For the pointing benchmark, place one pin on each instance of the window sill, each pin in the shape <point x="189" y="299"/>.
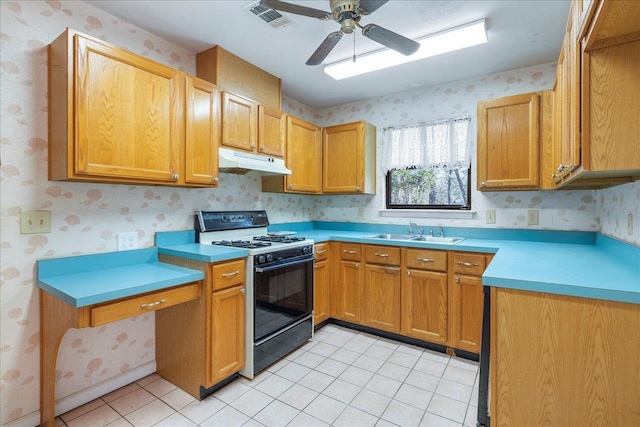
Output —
<point x="425" y="213"/>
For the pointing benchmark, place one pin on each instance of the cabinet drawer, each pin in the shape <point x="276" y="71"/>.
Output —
<point x="425" y="259"/>
<point x="135" y="306"/>
<point x="321" y="251"/>
<point x="468" y="263"/>
<point x="228" y="274"/>
<point x="386" y="255"/>
<point x="350" y="251"/>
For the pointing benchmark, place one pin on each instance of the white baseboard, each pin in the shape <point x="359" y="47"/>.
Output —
<point x="88" y="394"/>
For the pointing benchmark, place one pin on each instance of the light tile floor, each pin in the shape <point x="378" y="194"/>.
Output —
<point x="340" y="378"/>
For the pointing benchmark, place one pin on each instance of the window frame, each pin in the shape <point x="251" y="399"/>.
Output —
<point x="389" y="205"/>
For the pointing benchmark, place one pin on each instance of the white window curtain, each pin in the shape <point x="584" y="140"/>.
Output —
<point x="441" y="144"/>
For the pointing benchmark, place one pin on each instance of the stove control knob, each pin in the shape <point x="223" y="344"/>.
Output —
<point x="261" y="259"/>
<point x="269" y="257"/>
<point x="223" y="218"/>
<point x="306" y="250"/>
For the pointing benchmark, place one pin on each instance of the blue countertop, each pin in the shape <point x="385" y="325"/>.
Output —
<point x="581" y="264"/>
<point x="180" y="243"/>
<point x="92" y="279"/>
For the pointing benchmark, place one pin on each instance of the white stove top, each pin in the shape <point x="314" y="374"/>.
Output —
<point x="255" y="240"/>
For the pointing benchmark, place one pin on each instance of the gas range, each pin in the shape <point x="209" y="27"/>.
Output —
<point x="243" y="229"/>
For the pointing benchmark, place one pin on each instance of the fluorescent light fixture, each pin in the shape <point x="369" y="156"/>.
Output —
<point x="456" y="38"/>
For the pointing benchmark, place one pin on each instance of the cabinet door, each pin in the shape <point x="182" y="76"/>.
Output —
<point x="342" y="151"/>
<point x="129" y="115"/>
<point x="304" y="156"/>
<point x="381" y="297"/>
<point x="466" y="300"/>
<point x="239" y="122"/>
<point x="272" y="127"/>
<point x="227" y="329"/>
<point x="424" y="305"/>
<point x="202" y="132"/>
<point x="346" y="291"/>
<point x="509" y="143"/>
<point x="321" y="291"/>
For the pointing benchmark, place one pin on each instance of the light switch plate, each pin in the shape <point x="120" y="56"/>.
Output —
<point x="532" y="217"/>
<point x="35" y="222"/>
<point x="491" y="216"/>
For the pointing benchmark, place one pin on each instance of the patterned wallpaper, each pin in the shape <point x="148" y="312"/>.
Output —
<point x="87" y="217"/>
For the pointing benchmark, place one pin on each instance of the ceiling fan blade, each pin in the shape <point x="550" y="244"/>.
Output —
<point x="296" y="9"/>
<point x="367" y="7"/>
<point x="325" y="47"/>
<point x="390" y="39"/>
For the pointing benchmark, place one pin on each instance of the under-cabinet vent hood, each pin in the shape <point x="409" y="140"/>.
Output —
<point x="241" y="163"/>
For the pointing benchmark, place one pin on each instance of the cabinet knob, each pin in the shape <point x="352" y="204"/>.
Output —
<point x="243" y="290"/>
<point x="553" y="175"/>
<point x="262" y="148"/>
<point x="457" y="280"/>
<point x="175" y="177"/>
<point x="315" y="267"/>
<point x="216" y="179"/>
<point x="408" y="273"/>
<point x="482" y="184"/>
<point x="560" y="168"/>
<point x="290" y="187"/>
<point x="253" y="146"/>
<point x="358" y="189"/>
<point x="356" y="266"/>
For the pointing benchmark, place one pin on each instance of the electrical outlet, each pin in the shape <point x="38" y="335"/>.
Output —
<point x="532" y="217"/>
<point x="630" y="224"/>
<point x="127" y="241"/>
<point x="35" y="222"/>
<point x="491" y="216"/>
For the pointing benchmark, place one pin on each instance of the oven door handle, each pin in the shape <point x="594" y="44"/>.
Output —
<point x="284" y="264"/>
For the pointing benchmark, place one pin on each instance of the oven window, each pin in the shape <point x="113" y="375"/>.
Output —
<point x="283" y="295"/>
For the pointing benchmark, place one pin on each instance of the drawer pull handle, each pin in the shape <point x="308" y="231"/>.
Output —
<point x="235" y="273"/>
<point x="321" y="252"/>
<point x="408" y="272"/>
<point x="426" y="259"/>
<point x="392" y="270"/>
<point x="153" y="304"/>
<point x="457" y="280"/>
<point x="468" y="264"/>
<point x="381" y="255"/>
<point x="349" y="252"/>
<point x="356" y="266"/>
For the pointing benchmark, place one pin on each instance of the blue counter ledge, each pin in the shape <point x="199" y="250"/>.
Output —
<point x="92" y="279"/>
<point x="181" y="244"/>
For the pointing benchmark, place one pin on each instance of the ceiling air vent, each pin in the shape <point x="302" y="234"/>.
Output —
<point x="270" y="16"/>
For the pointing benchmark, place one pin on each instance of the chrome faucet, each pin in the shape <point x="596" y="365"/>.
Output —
<point x="413" y="224"/>
<point x="441" y="228"/>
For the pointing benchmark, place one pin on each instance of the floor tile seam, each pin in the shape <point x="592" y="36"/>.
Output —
<point x="127" y="420"/>
<point x="99" y="398"/>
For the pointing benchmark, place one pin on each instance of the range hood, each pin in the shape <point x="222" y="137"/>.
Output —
<point x="237" y="162"/>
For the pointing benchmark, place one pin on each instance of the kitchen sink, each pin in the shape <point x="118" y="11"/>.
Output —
<point x="414" y="238"/>
<point x="434" y="239"/>
<point x="391" y="236"/>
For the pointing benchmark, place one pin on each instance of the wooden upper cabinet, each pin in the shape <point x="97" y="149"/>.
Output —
<point x="113" y="115"/>
<point x="349" y="158"/>
<point x="304" y="158"/>
<point x="272" y="130"/>
<point x="202" y="124"/>
<point x="239" y="122"/>
<point x="509" y="143"/>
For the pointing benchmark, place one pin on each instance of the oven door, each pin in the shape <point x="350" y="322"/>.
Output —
<point x="283" y="295"/>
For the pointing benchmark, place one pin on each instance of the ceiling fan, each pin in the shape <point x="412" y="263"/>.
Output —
<point x="348" y="14"/>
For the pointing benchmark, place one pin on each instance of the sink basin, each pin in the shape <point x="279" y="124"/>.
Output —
<point x="414" y="238"/>
<point x="434" y="239"/>
<point x="391" y="236"/>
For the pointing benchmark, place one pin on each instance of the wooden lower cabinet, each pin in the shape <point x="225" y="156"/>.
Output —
<point x="465" y="308"/>
<point x="424" y="305"/>
<point x="201" y="342"/>
<point x="558" y="360"/>
<point x="346" y="281"/>
<point x="381" y="297"/>
<point x="321" y="284"/>
<point x="227" y="342"/>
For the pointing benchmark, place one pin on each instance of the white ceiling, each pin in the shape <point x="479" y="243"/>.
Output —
<point x="521" y="33"/>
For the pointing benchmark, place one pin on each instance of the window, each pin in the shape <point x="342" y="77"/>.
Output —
<point x="428" y="165"/>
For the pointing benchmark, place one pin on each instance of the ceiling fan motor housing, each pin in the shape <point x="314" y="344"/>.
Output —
<point x="345" y="12"/>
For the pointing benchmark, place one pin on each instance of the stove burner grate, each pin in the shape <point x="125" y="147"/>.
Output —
<point x="278" y="239"/>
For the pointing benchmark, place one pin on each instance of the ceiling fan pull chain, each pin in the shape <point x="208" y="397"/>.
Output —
<point x="354" y="46"/>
